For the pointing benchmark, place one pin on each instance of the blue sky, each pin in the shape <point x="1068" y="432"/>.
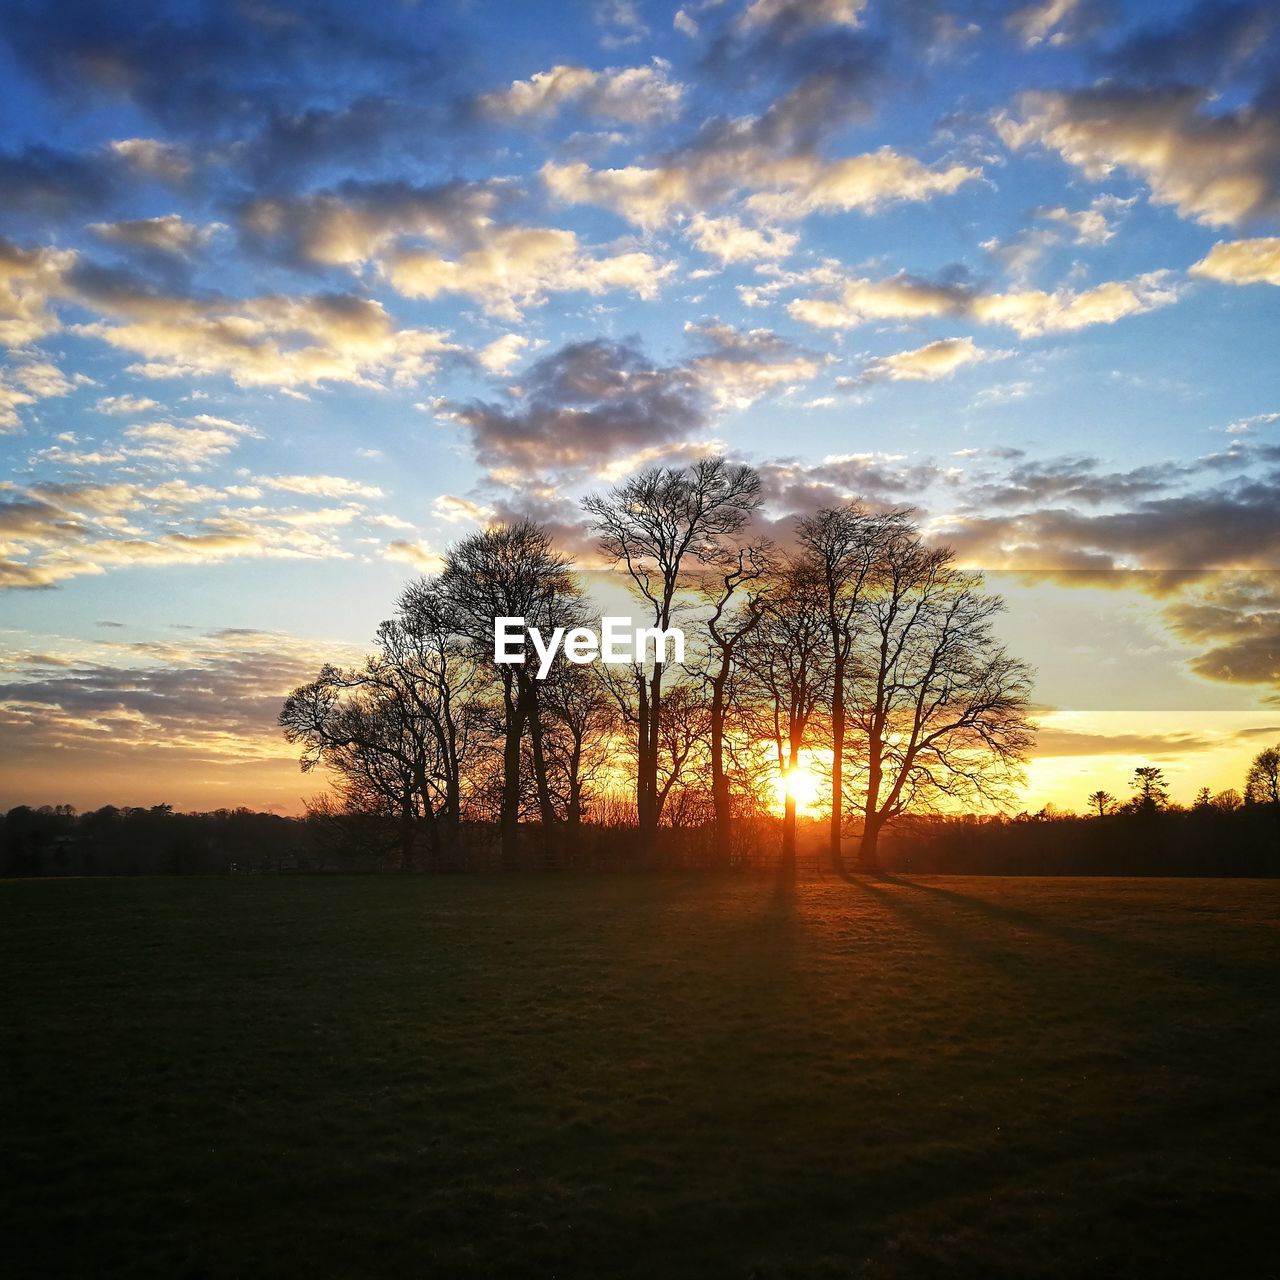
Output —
<point x="294" y="295"/>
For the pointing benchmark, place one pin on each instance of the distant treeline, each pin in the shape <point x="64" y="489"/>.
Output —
<point x="1204" y="841"/>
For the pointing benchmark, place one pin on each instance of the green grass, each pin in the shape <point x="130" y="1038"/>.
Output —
<point x="639" y="1077"/>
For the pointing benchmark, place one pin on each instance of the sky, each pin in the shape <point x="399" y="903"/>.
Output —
<point x="293" y="296"/>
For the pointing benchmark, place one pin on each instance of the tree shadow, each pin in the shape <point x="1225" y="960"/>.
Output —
<point x="1224" y="972"/>
<point x="944" y="928"/>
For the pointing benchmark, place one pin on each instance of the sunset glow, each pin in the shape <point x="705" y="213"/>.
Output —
<point x="279" y="335"/>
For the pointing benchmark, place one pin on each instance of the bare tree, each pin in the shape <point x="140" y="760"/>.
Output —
<point x="790" y="674"/>
<point x="512" y="570"/>
<point x="384" y="757"/>
<point x="659" y="525"/>
<point x="579" y="722"/>
<point x="843" y="547"/>
<point x="734" y="593"/>
<point x="939" y="704"/>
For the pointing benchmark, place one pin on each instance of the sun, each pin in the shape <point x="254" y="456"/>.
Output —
<point x="802" y="784"/>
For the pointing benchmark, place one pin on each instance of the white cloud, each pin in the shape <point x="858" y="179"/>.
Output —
<point x="785" y="187"/>
<point x="634" y="95"/>
<point x="933" y="361"/>
<point x="26" y="384"/>
<point x="1242" y="262"/>
<point x="499" y="355"/>
<point x="730" y="240"/>
<point x="519" y="266"/>
<point x="1043" y="20"/>
<point x="320" y="486"/>
<point x="1220" y="169"/>
<point x="126" y="404"/>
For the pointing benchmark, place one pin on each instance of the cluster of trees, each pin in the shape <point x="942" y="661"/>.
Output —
<point x="856" y="651"/>
<point x="55" y="840"/>
<point x="1151" y="791"/>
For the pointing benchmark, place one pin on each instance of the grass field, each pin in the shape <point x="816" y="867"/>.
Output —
<point x="639" y="1077"/>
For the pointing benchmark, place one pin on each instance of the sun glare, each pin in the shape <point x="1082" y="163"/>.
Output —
<point x="801" y="783"/>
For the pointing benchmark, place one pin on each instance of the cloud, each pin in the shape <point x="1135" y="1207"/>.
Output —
<point x="25" y="384"/>
<point x="633" y="95"/>
<point x="729" y="240"/>
<point x="170" y="234"/>
<point x="53" y="533"/>
<point x="51" y="184"/>
<point x="29" y="280"/>
<point x="1021" y="253"/>
<point x="1232" y="527"/>
<point x="736" y="367"/>
<point x="499" y="355"/>
<point x="590" y="405"/>
<point x="126" y="405"/>
<point x="1219" y="168"/>
<point x="933" y="361"/>
<point x="795" y="486"/>
<point x="900" y="297"/>
<point x="581" y="405"/>
<point x="417" y="554"/>
<point x="208" y="68"/>
<point x="505" y="268"/>
<point x="165" y="161"/>
<point x="201" y="700"/>
<point x="192" y="446"/>
<point x="621" y="22"/>
<point x="271" y="340"/>
<point x="320" y="486"/>
<point x="517" y="267"/>
<point x="1055" y="742"/>
<point x="800" y="14"/>
<point x="356" y="221"/>
<point x="1236" y="618"/>
<point x="454" y="510"/>
<point x="1030" y="313"/>
<point x="1053" y="22"/>
<point x="868" y="183"/>
<point x="1204" y="44"/>
<point x="785" y="187"/>
<point x="1242" y="262"/>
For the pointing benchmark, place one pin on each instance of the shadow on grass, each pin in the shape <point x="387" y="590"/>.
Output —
<point x="1151" y="955"/>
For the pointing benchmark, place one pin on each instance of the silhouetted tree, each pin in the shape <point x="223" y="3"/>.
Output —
<point x="790" y="677"/>
<point x="735" y="596"/>
<point x="1102" y="802"/>
<point x="843" y="548"/>
<point x="1150" y="792"/>
<point x="940" y="704"/>
<point x="1262" y="782"/>
<point x="658" y="526"/>
<point x="513" y="571"/>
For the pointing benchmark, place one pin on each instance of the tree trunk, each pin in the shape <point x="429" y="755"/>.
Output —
<point x="721" y="803"/>
<point x="546" y="809"/>
<point x="836" y="827"/>
<point x="647" y="770"/>
<point x="869" y="849"/>
<point x="787" y="863"/>
<point x="509" y="855"/>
